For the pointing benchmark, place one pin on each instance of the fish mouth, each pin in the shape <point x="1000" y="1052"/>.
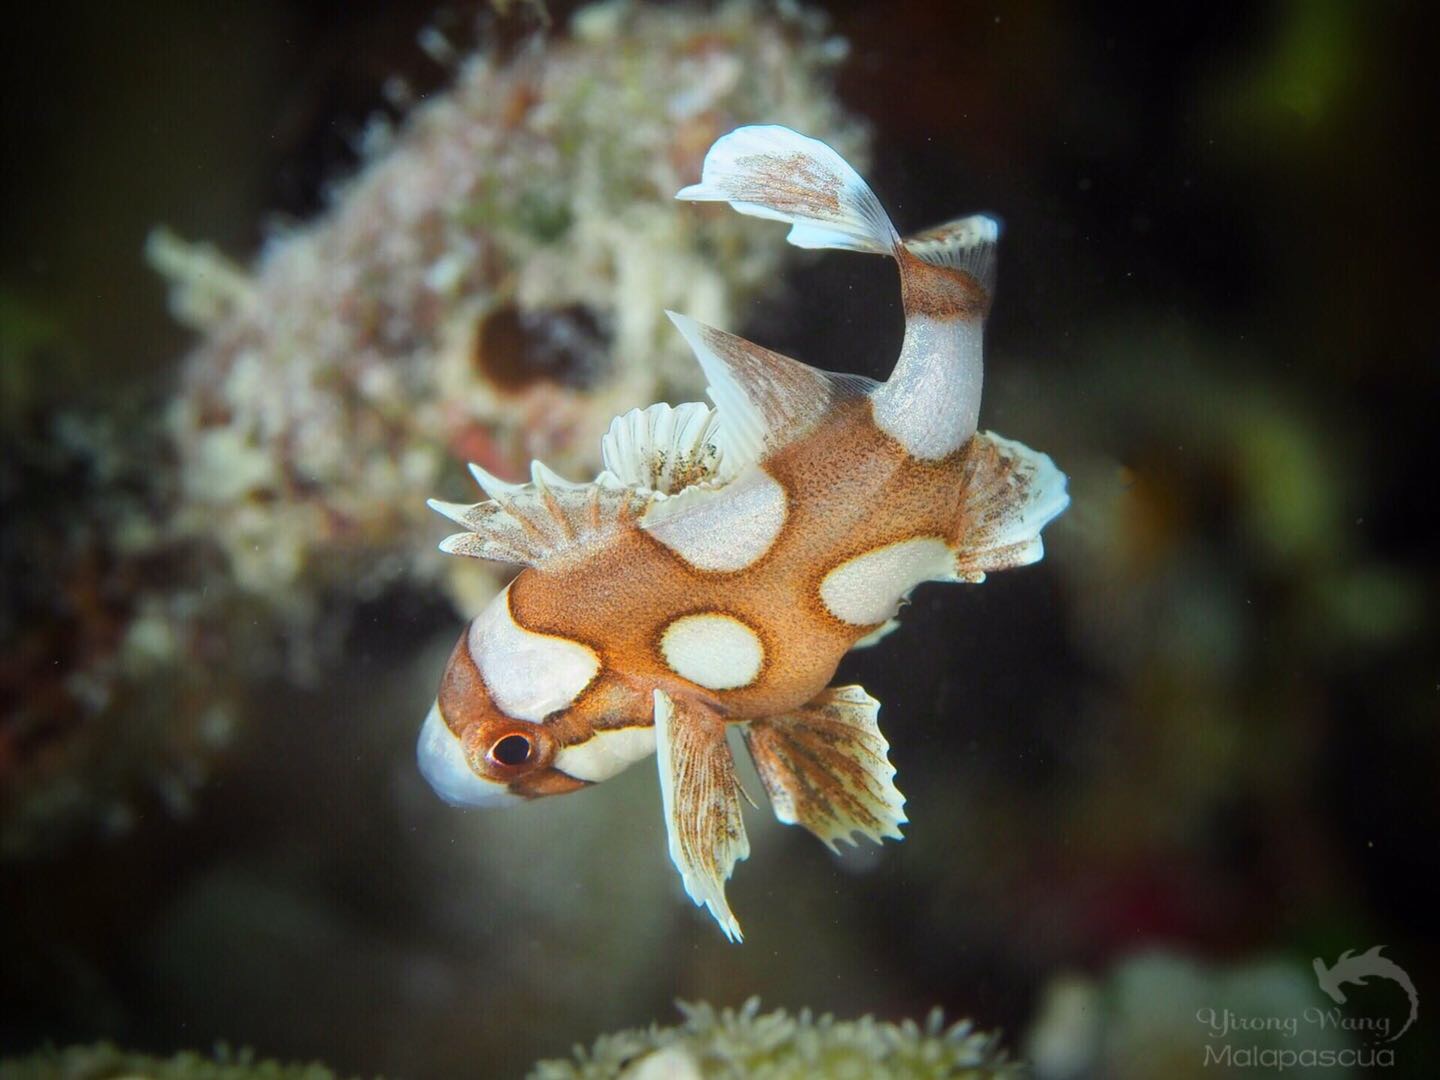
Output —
<point x="446" y="768"/>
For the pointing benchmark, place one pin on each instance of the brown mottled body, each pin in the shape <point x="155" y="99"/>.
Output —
<point x="849" y="489"/>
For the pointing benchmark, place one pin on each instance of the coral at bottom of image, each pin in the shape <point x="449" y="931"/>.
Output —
<point x="709" y="1043"/>
<point x="105" y="1062"/>
<point x="777" y="1046"/>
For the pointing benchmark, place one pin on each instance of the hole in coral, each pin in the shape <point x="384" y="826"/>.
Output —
<point x="515" y="349"/>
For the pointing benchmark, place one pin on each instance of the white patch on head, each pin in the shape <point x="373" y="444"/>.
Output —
<point x="529" y="675"/>
<point x="443" y="763"/>
<point x="725" y="529"/>
<point x="931" y="405"/>
<point x="719" y="652"/>
<point x="607" y="752"/>
<point x="868" y="588"/>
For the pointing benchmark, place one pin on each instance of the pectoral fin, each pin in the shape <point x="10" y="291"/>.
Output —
<point x="825" y="767"/>
<point x="701" y="800"/>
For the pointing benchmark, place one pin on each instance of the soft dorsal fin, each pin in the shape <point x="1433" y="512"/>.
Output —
<point x="763" y="398"/>
<point x="663" y="449"/>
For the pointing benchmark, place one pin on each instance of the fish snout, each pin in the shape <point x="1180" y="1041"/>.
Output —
<point x="446" y="763"/>
<point x="493" y="761"/>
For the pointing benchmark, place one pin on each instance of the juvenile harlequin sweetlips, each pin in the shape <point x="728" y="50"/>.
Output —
<point x="724" y="560"/>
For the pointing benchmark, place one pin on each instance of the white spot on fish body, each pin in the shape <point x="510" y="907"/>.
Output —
<point x="724" y="529"/>
<point x="607" y="752"/>
<point x="718" y="652"/>
<point x="868" y="588"/>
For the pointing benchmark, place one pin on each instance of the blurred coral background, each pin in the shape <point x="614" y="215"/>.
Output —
<point x="1161" y="771"/>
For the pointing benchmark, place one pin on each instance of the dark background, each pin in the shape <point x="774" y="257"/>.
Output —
<point x="1206" y="722"/>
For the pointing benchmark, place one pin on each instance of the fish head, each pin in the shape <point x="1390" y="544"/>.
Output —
<point x="492" y="761"/>
<point x="475" y="752"/>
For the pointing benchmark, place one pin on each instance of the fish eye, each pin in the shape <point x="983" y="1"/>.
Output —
<point x="512" y="750"/>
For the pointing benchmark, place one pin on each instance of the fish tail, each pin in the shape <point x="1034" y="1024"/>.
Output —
<point x="769" y="171"/>
<point x="931" y="404"/>
<point x="949" y="271"/>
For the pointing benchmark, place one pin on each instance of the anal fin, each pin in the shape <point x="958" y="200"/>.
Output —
<point x="701" y="800"/>
<point x="825" y="767"/>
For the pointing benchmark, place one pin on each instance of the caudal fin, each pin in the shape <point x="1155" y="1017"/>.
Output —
<point x="931" y="403"/>
<point x="966" y="245"/>
<point x="769" y="171"/>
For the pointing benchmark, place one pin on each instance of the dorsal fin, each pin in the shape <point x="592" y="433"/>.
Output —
<point x="529" y="523"/>
<point x="763" y="398"/>
<point x="663" y="449"/>
<point x="650" y="456"/>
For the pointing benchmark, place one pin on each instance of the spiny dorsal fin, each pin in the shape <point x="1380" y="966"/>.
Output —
<point x="1011" y="493"/>
<point x="662" y="449"/>
<point x="769" y="171"/>
<point x="967" y="245"/>
<point x="529" y="523"/>
<point x="764" y="399"/>
<point x="651" y="456"/>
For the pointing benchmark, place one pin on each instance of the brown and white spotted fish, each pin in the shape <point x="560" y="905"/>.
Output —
<point x="725" y="560"/>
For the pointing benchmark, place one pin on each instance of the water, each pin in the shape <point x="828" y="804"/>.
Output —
<point x="1159" y="773"/>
